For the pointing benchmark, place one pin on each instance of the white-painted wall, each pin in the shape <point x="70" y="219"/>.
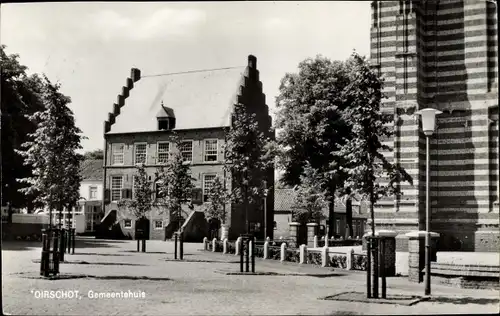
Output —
<point x="85" y="189"/>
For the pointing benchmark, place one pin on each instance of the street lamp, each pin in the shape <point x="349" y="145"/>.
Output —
<point x="428" y="126"/>
<point x="265" y="209"/>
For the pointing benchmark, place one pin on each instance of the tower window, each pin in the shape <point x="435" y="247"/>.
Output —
<point x="163" y="124"/>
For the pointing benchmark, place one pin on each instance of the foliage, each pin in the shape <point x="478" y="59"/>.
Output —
<point x="142" y="200"/>
<point x="94" y="154"/>
<point x="217" y="199"/>
<point x="360" y="262"/>
<point x="365" y="163"/>
<point x="248" y="157"/>
<point x="337" y="261"/>
<point x="22" y="96"/>
<point x="314" y="258"/>
<point x="175" y="184"/>
<point x="310" y="198"/>
<point x="51" y="152"/>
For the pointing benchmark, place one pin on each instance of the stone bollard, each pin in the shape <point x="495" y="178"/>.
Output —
<point x="303" y="254"/>
<point x="237" y="246"/>
<point x="224" y="246"/>
<point x="324" y="256"/>
<point x="266" y="249"/>
<point x="283" y="252"/>
<point x="315" y="242"/>
<point x="205" y="243"/>
<point x="250" y="248"/>
<point x="214" y="244"/>
<point x="350" y="259"/>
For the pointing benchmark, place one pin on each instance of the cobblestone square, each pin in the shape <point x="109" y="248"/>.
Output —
<point x="155" y="284"/>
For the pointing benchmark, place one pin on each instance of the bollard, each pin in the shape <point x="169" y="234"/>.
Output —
<point x="324" y="256"/>
<point x="175" y="246"/>
<point x="266" y="250"/>
<point x="237" y="247"/>
<point x="242" y="257"/>
<point x="350" y="259"/>
<point x="382" y="264"/>
<point x="252" y="254"/>
<point x="283" y="252"/>
<point x="247" y="254"/>
<point x="315" y="241"/>
<point x="303" y="254"/>
<point x="214" y="244"/>
<point x="224" y="246"/>
<point x="205" y="243"/>
<point x="181" y="245"/>
<point x="368" y="268"/>
<point x="73" y="237"/>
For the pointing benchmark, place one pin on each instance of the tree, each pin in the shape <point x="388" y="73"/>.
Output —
<point x="51" y="152"/>
<point x="249" y="157"/>
<point x="175" y="184"/>
<point x="217" y="199"/>
<point x="369" y="127"/>
<point x="142" y="200"/>
<point x="21" y="97"/>
<point x="95" y="154"/>
<point x="310" y="105"/>
<point x="310" y="200"/>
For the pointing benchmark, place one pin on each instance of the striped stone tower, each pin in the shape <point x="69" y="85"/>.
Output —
<point x="442" y="54"/>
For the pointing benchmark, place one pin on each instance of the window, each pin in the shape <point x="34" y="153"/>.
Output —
<point x="158" y="193"/>
<point x="163" y="124"/>
<point x="93" y="193"/>
<point x="186" y="149"/>
<point x="275" y="226"/>
<point x="210" y="150"/>
<point x="208" y="181"/>
<point x="158" y="225"/>
<point x="337" y="226"/>
<point x="163" y="152"/>
<point x="117" y="150"/>
<point x="116" y="188"/>
<point x="140" y="153"/>
<point x="127" y="223"/>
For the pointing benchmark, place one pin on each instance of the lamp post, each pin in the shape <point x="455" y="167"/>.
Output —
<point x="265" y="209"/>
<point x="428" y="126"/>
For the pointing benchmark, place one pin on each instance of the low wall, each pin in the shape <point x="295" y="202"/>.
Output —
<point x="466" y="275"/>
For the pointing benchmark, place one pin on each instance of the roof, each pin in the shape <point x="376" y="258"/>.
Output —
<point x="92" y="169"/>
<point x="284" y="199"/>
<point x="197" y="100"/>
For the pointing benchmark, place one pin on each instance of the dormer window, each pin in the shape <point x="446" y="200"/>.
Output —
<point x="166" y="119"/>
<point x="163" y="124"/>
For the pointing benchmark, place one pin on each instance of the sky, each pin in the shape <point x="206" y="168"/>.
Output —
<point x="89" y="48"/>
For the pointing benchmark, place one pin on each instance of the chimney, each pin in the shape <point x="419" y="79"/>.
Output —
<point x="135" y="74"/>
<point x="252" y="61"/>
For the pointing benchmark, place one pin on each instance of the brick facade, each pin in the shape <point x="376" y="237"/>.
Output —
<point x="212" y="127"/>
<point x="442" y="55"/>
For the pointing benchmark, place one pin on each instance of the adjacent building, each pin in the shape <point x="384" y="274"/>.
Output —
<point x="196" y="108"/>
<point x="442" y="55"/>
<point x="283" y="209"/>
<point x="91" y="187"/>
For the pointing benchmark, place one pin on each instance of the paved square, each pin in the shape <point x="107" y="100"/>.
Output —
<point x="112" y="279"/>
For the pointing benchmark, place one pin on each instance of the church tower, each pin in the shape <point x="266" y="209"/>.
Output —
<point x="442" y="55"/>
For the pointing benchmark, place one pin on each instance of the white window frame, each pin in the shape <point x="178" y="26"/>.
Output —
<point x="192" y="148"/>
<point x="145" y="153"/>
<point x="92" y="188"/>
<point x="203" y="194"/>
<point x="125" y="223"/>
<point x="205" y="155"/>
<point x="156" y="221"/>
<point x="158" y="151"/>
<point x="337" y="226"/>
<point x="111" y="190"/>
<point x="114" y="154"/>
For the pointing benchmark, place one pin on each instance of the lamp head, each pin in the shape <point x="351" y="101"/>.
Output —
<point x="428" y="120"/>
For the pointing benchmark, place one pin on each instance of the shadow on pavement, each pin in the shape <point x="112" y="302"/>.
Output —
<point x="96" y="277"/>
<point x="464" y="300"/>
<point x="98" y="254"/>
<point x="17" y="245"/>
<point x="200" y="261"/>
<point x="97" y="263"/>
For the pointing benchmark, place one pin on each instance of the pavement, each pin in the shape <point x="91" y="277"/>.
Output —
<point x="205" y="283"/>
